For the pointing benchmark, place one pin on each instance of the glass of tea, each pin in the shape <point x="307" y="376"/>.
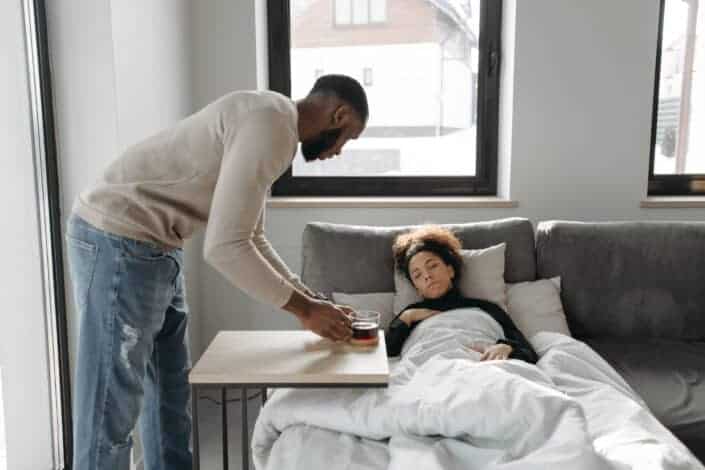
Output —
<point x="365" y="328"/>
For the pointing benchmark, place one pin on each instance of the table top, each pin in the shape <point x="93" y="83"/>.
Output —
<point x="289" y="358"/>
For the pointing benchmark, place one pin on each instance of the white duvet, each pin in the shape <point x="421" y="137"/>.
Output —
<point x="444" y="409"/>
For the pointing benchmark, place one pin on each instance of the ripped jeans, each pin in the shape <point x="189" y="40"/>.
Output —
<point x="133" y="358"/>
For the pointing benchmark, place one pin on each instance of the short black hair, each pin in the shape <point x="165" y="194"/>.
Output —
<point x="347" y="89"/>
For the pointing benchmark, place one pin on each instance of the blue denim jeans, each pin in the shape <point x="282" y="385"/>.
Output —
<point x="133" y="358"/>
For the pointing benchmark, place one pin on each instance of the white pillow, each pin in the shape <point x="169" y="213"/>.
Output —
<point x="378" y="301"/>
<point x="536" y="306"/>
<point x="483" y="274"/>
<point x="482" y="278"/>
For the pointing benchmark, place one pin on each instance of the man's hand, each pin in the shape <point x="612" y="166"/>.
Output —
<point x="326" y="320"/>
<point x="347" y="309"/>
<point x="316" y="295"/>
<point x="413" y="315"/>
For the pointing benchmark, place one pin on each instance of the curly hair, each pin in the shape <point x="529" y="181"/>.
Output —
<point x="434" y="238"/>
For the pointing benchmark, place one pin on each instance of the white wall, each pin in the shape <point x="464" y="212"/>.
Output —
<point x="582" y="119"/>
<point x="152" y="54"/>
<point x="575" y="135"/>
<point x="23" y="351"/>
<point x="223" y="48"/>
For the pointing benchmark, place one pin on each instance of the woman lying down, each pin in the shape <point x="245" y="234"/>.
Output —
<point x="430" y="258"/>
<point x="469" y="391"/>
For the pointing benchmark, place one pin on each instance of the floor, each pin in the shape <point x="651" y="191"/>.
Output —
<point x="210" y="429"/>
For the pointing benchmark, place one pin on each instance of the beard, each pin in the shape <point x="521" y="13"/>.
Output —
<point x="311" y="149"/>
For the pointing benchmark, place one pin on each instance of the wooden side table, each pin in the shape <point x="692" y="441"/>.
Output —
<point x="279" y="359"/>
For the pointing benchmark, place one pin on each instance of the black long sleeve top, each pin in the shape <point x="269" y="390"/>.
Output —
<point x="398" y="331"/>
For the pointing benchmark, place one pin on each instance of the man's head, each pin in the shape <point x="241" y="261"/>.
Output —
<point x="334" y="112"/>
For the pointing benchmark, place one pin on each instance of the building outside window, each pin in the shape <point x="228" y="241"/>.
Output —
<point x="367" y="74"/>
<point x="431" y="105"/>
<point x="359" y="12"/>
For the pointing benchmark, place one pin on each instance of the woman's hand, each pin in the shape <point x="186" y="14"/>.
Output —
<point x="413" y="315"/>
<point x="496" y="352"/>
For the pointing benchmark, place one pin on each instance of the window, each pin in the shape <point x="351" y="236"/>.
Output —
<point x="343" y="12"/>
<point x="359" y="12"/>
<point x="431" y="73"/>
<point x="678" y="131"/>
<point x="367" y="76"/>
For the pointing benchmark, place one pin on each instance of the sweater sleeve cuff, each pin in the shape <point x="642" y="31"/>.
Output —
<point x="283" y="295"/>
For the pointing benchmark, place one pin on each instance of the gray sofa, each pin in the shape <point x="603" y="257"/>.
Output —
<point x="634" y="291"/>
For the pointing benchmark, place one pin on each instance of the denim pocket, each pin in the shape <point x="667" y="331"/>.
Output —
<point x="142" y="250"/>
<point x="156" y="266"/>
<point x="82" y="261"/>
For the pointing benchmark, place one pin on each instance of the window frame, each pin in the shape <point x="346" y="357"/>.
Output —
<point x="48" y="191"/>
<point x="484" y="183"/>
<point x="667" y="185"/>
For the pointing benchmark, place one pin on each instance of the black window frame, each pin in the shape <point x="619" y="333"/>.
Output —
<point x="668" y="185"/>
<point x="484" y="183"/>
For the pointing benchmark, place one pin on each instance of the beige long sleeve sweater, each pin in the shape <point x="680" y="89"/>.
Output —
<point x="213" y="169"/>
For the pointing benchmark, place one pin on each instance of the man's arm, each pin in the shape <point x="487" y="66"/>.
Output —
<point x="266" y="249"/>
<point x="253" y="158"/>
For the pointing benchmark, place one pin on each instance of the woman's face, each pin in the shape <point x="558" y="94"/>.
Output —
<point x="431" y="276"/>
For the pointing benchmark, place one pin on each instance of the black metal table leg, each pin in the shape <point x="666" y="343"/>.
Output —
<point x="224" y="399"/>
<point x="194" y="420"/>
<point x="245" y="438"/>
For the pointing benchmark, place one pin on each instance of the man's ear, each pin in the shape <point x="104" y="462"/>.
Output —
<point x="340" y="115"/>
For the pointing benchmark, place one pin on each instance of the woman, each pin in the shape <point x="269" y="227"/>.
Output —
<point x="430" y="258"/>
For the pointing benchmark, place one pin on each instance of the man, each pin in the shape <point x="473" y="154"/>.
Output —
<point x="213" y="169"/>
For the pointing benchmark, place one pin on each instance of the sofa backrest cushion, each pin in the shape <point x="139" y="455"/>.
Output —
<point x="627" y="279"/>
<point x="356" y="259"/>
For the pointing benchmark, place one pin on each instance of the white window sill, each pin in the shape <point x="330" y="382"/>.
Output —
<point x="673" y="202"/>
<point x="487" y="202"/>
